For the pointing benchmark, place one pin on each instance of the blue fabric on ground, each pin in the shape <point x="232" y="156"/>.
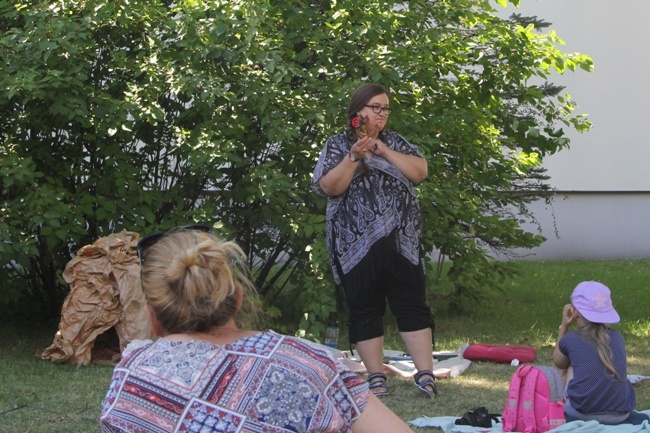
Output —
<point x="446" y="423"/>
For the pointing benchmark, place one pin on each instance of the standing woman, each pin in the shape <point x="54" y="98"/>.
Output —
<point x="374" y="227"/>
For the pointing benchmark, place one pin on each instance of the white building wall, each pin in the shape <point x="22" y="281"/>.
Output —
<point x="603" y="208"/>
<point x="592" y="226"/>
<point x="614" y="155"/>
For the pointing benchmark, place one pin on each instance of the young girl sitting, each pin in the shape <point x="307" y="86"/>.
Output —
<point x="595" y="361"/>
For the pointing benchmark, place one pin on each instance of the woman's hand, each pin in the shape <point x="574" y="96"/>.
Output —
<point x="362" y="147"/>
<point x="378" y="147"/>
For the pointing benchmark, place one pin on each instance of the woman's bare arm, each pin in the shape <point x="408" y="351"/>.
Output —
<point x="413" y="167"/>
<point x="338" y="179"/>
<point x="377" y="418"/>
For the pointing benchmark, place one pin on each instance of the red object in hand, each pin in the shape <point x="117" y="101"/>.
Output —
<point x="362" y="129"/>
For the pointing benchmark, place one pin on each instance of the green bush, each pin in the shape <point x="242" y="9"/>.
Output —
<point x="143" y="115"/>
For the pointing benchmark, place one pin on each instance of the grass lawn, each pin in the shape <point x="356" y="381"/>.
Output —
<point x="39" y="396"/>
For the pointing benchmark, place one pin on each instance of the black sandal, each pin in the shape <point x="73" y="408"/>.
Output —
<point x="377" y="384"/>
<point x="425" y="382"/>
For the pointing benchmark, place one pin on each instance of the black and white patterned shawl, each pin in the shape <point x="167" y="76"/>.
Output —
<point x="380" y="202"/>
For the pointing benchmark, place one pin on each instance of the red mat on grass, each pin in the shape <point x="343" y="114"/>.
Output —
<point x="499" y="353"/>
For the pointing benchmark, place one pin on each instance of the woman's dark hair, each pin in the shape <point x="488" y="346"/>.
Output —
<point x="361" y="96"/>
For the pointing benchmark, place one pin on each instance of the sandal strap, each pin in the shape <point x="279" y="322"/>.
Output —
<point x="377" y="384"/>
<point x="425" y="382"/>
<point x="420" y="374"/>
<point x="375" y="376"/>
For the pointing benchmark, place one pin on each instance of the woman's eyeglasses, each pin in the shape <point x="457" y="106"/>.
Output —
<point x="150" y="240"/>
<point x="377" y="109"/>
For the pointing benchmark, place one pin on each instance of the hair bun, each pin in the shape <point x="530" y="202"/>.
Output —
<point x="191" y="278"/>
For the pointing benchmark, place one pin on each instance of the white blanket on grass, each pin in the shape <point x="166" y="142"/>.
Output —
<point x="400" y="364"/>
<point x="446" y="424"/>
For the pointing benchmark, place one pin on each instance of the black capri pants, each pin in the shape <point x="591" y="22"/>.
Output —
<point x="385" y="275"/>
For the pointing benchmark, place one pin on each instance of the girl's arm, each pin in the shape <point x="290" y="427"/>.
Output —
<point x="560" y="360"/>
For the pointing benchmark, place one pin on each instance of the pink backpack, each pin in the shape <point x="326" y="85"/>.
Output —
<point x="535" y="402"/>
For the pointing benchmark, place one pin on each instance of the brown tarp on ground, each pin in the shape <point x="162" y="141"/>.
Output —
<point x="105" y="297"/>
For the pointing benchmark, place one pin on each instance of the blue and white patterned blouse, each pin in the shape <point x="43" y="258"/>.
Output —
<point x="266" y="382"/>
<point x="380" y="202"/>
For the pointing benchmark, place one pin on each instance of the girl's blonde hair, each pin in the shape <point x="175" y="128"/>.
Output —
<point x="598" y="334"/>
<point x="190" y="278"/>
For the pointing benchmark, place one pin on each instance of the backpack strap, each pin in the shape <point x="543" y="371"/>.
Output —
<point x="509" y="417"/>
<point x="528" y="398"/>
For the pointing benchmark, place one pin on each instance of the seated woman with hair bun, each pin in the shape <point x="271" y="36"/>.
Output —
<point x="209" y="372"/>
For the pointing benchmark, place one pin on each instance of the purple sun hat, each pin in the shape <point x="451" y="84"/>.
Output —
<point x="594" y="302"/>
